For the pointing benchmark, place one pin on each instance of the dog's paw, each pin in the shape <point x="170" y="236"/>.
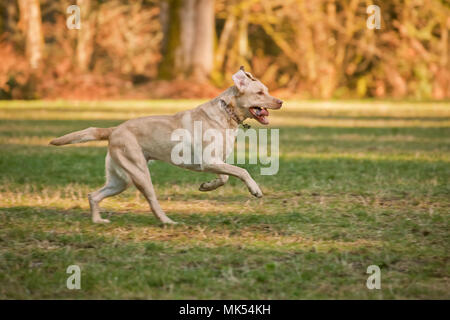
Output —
<point x="258" y="194"/>
<point x="204" y="187"/>
<point x="101" y="221"/>
<point x="256" y="191"/>
<point x="169" y="221"/>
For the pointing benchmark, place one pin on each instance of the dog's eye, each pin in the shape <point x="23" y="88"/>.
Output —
<point x="260" y="93"/>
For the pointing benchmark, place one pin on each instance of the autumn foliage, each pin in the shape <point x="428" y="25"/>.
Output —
<point x="190" y="48"/>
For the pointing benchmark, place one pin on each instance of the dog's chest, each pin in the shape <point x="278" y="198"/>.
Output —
<point x="230" y="138"/>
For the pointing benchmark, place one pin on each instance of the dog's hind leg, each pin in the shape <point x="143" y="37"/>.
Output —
<point x="214" y="184"/>
<point x="116" y="181"/>
<point x="129" y="156"/>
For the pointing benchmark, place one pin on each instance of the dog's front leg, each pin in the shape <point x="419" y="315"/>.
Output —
<point x="228" y="169"/>
<point x="214" y="184"/>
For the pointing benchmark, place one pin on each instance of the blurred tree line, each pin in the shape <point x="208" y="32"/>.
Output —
<point x="306" y="49"/>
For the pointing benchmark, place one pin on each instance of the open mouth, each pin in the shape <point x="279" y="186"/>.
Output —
<point x="260" y="114"/>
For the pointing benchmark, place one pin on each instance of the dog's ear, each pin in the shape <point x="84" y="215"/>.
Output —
<point x="241" y="80"/>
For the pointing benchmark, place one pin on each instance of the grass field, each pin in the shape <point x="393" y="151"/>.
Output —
<point x="359" y="184"/>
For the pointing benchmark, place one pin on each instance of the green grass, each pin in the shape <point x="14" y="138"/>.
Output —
<point x="359" y="184"/>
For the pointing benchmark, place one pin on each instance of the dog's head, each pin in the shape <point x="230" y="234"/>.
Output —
<point x="253" y="98"/>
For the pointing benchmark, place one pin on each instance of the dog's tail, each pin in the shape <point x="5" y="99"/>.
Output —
<point x="89" y="134"/>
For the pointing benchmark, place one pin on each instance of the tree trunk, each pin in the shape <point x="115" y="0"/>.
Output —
<point x="243" y="36"/>
<point x="10" y="24"/>
<point x="188" y="45"/>
<point x="224" y="39"/>
<point x="31" y="25"/>
<point x="203" y="51"/>
<point x="184" y="54"/>
<point x="85" y="40"/>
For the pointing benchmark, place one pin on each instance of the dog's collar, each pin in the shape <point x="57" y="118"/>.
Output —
<point x="229" y="109"/>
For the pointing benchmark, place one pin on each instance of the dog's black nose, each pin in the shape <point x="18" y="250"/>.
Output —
<point x="280" y="102"/>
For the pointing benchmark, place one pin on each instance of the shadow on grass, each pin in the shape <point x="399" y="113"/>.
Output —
<point x="39" y="128"/>
<point x="44" y="167"/>
<point x="59" y="127"/>
<point x="207" y="230"/>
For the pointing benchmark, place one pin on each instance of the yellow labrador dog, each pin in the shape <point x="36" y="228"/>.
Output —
<point x="133" y="143"/>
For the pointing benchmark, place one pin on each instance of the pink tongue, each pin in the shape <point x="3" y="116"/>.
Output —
<point x="264" y="112"/>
